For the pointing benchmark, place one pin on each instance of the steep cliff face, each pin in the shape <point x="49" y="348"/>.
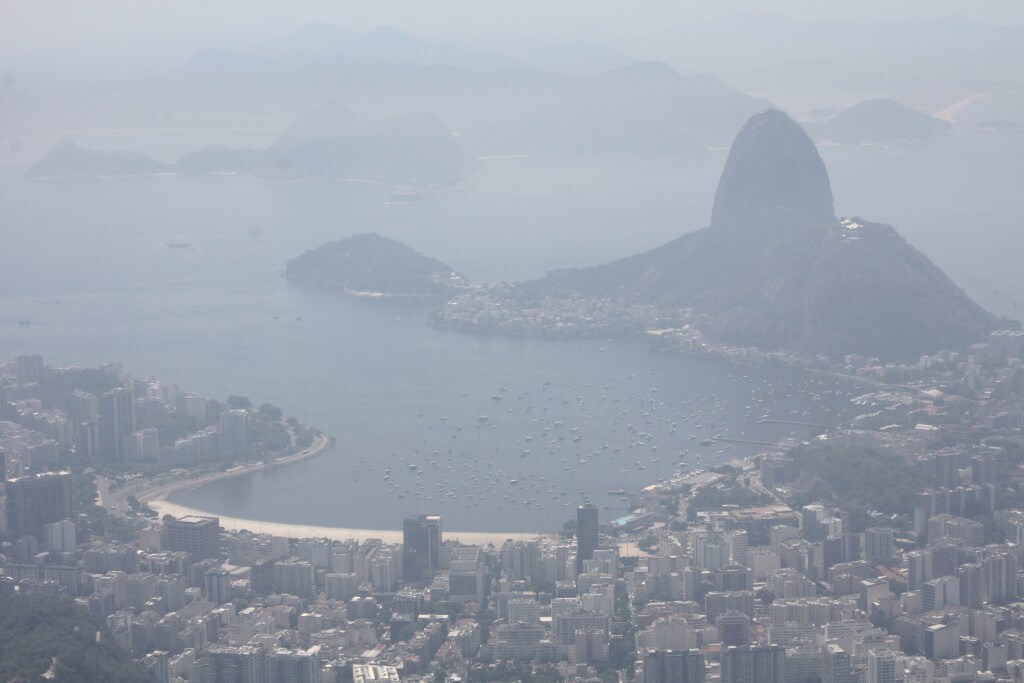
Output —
<point x="777" y="270"/>
<point x="773" y="175"/>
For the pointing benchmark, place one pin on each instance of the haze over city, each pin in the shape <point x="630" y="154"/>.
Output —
<point x="494" y="341"/>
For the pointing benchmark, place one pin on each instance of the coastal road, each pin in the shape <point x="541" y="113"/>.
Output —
<point x="116" y="499"/>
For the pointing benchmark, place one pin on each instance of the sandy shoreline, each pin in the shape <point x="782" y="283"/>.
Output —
<point x="156" y="498"/>
<point x="165" y="507"/>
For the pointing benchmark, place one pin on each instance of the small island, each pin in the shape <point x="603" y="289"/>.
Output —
<point x="69" y="160"/>
<point x="373" y="266"/>
<point x="881" y="121"/>
<point x="413" y="153"/>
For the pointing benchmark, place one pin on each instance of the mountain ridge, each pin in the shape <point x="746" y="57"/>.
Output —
<point x="777" y="270"/>
<point x="328" y="142"/>
<point x="878" y="121"/>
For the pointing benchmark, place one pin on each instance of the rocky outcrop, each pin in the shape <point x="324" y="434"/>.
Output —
<point x="776" y="270"/>
<point x="773" y="175"/>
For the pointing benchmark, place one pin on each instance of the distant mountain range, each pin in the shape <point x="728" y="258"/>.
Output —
<point x="777" y="270"/>
<point x="67" y="160"/>
<point x="329" y="142"/>
<point x="642" y="111"/>
<point x="388" y="44"/>
<point x="382" y="43"/>
<point x="371" y="265"/>
<point x="877" y="121"/>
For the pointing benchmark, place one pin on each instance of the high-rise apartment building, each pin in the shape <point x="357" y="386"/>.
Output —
<point x="36" y="500"/>
<point x="29" y="368"/>
<point x="586" y="534"/>
<point x="294" y="666"/>
<point x="733" y="628"/>
<point x="199" y="536"/>
<point x="236" y="664"/>
<point x="881" y="666"/>
<point x="117" y="420"/>
<point x="753" y="664"/>
<point x="662" y="666"/>
<point x="421" y="547"/>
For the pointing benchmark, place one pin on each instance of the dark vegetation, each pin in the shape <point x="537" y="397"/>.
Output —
<point x="856" y="480"/>
<point x="100" y="521"/>
<point x="38" y="631"/>
<point x="371" y="263"/>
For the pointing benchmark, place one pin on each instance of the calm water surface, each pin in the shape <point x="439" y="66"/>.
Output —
<point x="87" y="263"/>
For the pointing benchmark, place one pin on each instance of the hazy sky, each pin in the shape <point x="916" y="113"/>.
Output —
<point x="40" y="35"/>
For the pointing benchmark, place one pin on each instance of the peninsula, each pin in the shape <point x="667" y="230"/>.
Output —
<point x="776" y="271"/>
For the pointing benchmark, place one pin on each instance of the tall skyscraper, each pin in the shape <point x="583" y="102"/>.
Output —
<point x="193" y="534"/>
<point x="156" y="662"/>
<point x="236" y="664"/>
<point x="880" y="544"/>
<point x="998" y="574"/>
<point x="217" y="586"/>
<point x="971" y="589"/>
<point x="836" y="665"/>
<point x="29" y="368"/>
<point x="662" y="666"/>
<point x="294" y="666"/>
<point x="234" y="428"/>
<point x="294" y="576"/>
<point x="754" y="664"/>
<point x="85" y="423"/>
<point x="811" y="518"/>
<point x="421" y="546"/>
<point x="60" y="536"/>
<point x="586" y="534"/>
<point x="881" y="666"/>
<point x="35" y="501"/>
<point x="117" y="420"/>
<point x="733" y="628"/>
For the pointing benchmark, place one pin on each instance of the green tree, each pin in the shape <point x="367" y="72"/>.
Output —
<point x="271" y="411"/>
<point x="238" y="402"/>
<point x="38" y="632"/>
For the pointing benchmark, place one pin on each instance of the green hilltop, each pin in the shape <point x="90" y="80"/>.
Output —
<point x="41" y="633"/>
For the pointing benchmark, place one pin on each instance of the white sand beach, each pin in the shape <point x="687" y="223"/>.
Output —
<point x="156" y="498"/>
<point x="164" y="507"/>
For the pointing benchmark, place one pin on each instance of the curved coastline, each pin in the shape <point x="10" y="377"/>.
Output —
<point x="156" y="498"/>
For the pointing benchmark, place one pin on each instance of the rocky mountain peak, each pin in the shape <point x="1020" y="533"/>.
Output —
<point x="773" y="175"/>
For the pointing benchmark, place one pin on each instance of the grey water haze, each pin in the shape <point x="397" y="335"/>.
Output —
<point x="380" y="379"/>
<point x="503" y="341"/>
<point x="221" y="319"/>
